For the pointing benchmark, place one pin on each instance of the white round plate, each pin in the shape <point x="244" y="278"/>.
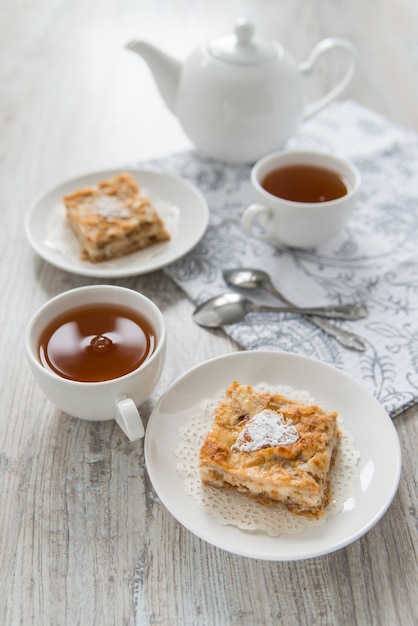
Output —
<point x="375" y="438"/>
<point x="179" y="203"/>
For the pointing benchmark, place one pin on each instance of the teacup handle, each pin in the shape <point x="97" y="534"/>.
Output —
<point x="324" y="46"/>
<point x="129" y="419"/>
<point x="251" y="216"/>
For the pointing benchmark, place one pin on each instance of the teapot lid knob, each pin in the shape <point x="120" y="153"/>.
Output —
<point x="242" y="47"/>
<point x="244" y="32"/>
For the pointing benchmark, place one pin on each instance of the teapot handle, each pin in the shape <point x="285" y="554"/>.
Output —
<point x="320" y="49"/>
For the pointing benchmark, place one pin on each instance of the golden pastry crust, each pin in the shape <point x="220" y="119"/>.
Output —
<point x="271" y="449"/>
<point x="112" y="219"/>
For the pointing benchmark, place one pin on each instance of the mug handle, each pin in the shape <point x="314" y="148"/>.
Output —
<point x="250" y="217"/>
<point x="129" y="419"/>
<point x="324" y="46"/>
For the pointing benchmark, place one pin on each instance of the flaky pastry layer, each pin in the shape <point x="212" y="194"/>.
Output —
<point x="295" y="474"/>
<point x="112" y="219"/>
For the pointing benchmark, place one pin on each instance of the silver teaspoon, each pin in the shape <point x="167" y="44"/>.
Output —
<point x="230" y="308"/>
<point x="248" y="278"/>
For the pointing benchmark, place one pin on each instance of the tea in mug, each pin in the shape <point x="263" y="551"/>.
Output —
<point x="305" y="183"/>
<point x="97" y="342"/>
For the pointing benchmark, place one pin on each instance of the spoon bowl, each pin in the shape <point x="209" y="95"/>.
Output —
<point x="248" y="278"/>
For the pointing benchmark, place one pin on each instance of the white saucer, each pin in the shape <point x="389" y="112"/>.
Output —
<point x="179" y="203"/>
<point x="364" y="417"/>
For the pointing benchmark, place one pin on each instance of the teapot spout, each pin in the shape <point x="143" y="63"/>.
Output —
<point x="165" y="69"/>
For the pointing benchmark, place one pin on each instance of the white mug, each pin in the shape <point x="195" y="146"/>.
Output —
<point x="299" y="224"/>
<point x="117" y="398"/>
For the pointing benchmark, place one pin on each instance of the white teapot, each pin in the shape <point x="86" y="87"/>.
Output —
<point x="238" y="97"/>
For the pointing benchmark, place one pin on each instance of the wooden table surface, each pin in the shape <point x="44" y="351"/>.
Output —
<point x="83" y="537"/>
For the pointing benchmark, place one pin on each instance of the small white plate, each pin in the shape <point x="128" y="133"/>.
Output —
<point x="179" y="203"/>
<point x="364" y="417"/>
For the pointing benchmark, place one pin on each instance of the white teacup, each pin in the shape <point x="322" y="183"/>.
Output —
<point x="116" y="398"/>
<point x="299" y="224"/>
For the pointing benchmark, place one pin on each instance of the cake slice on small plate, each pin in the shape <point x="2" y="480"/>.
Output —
<point x="112" y="219"/>
<point x="272" y="449"/>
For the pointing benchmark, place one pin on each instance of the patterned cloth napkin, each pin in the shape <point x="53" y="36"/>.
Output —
<point x="373" y="261"/>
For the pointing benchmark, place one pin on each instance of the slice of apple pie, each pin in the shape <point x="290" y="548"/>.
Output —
<point x="113" y="218"/>
<point x="271" y="449"/>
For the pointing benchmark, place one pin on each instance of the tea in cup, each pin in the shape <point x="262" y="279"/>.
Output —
<point x="303" y="198"/>
<point x="98" y="352"/>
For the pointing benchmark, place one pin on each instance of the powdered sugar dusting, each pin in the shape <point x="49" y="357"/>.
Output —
<point x="110" y="207"/>
<point x="264" y="430"/>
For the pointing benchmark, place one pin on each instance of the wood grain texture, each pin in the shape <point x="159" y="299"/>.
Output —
<point x="84" y="540"/>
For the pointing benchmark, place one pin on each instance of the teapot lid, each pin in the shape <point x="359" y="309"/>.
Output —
<point x="241" y="47"/>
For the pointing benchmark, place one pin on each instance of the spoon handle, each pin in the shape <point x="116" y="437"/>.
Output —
<point x="343" y="312"/>
<point x="344" y="337"/>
